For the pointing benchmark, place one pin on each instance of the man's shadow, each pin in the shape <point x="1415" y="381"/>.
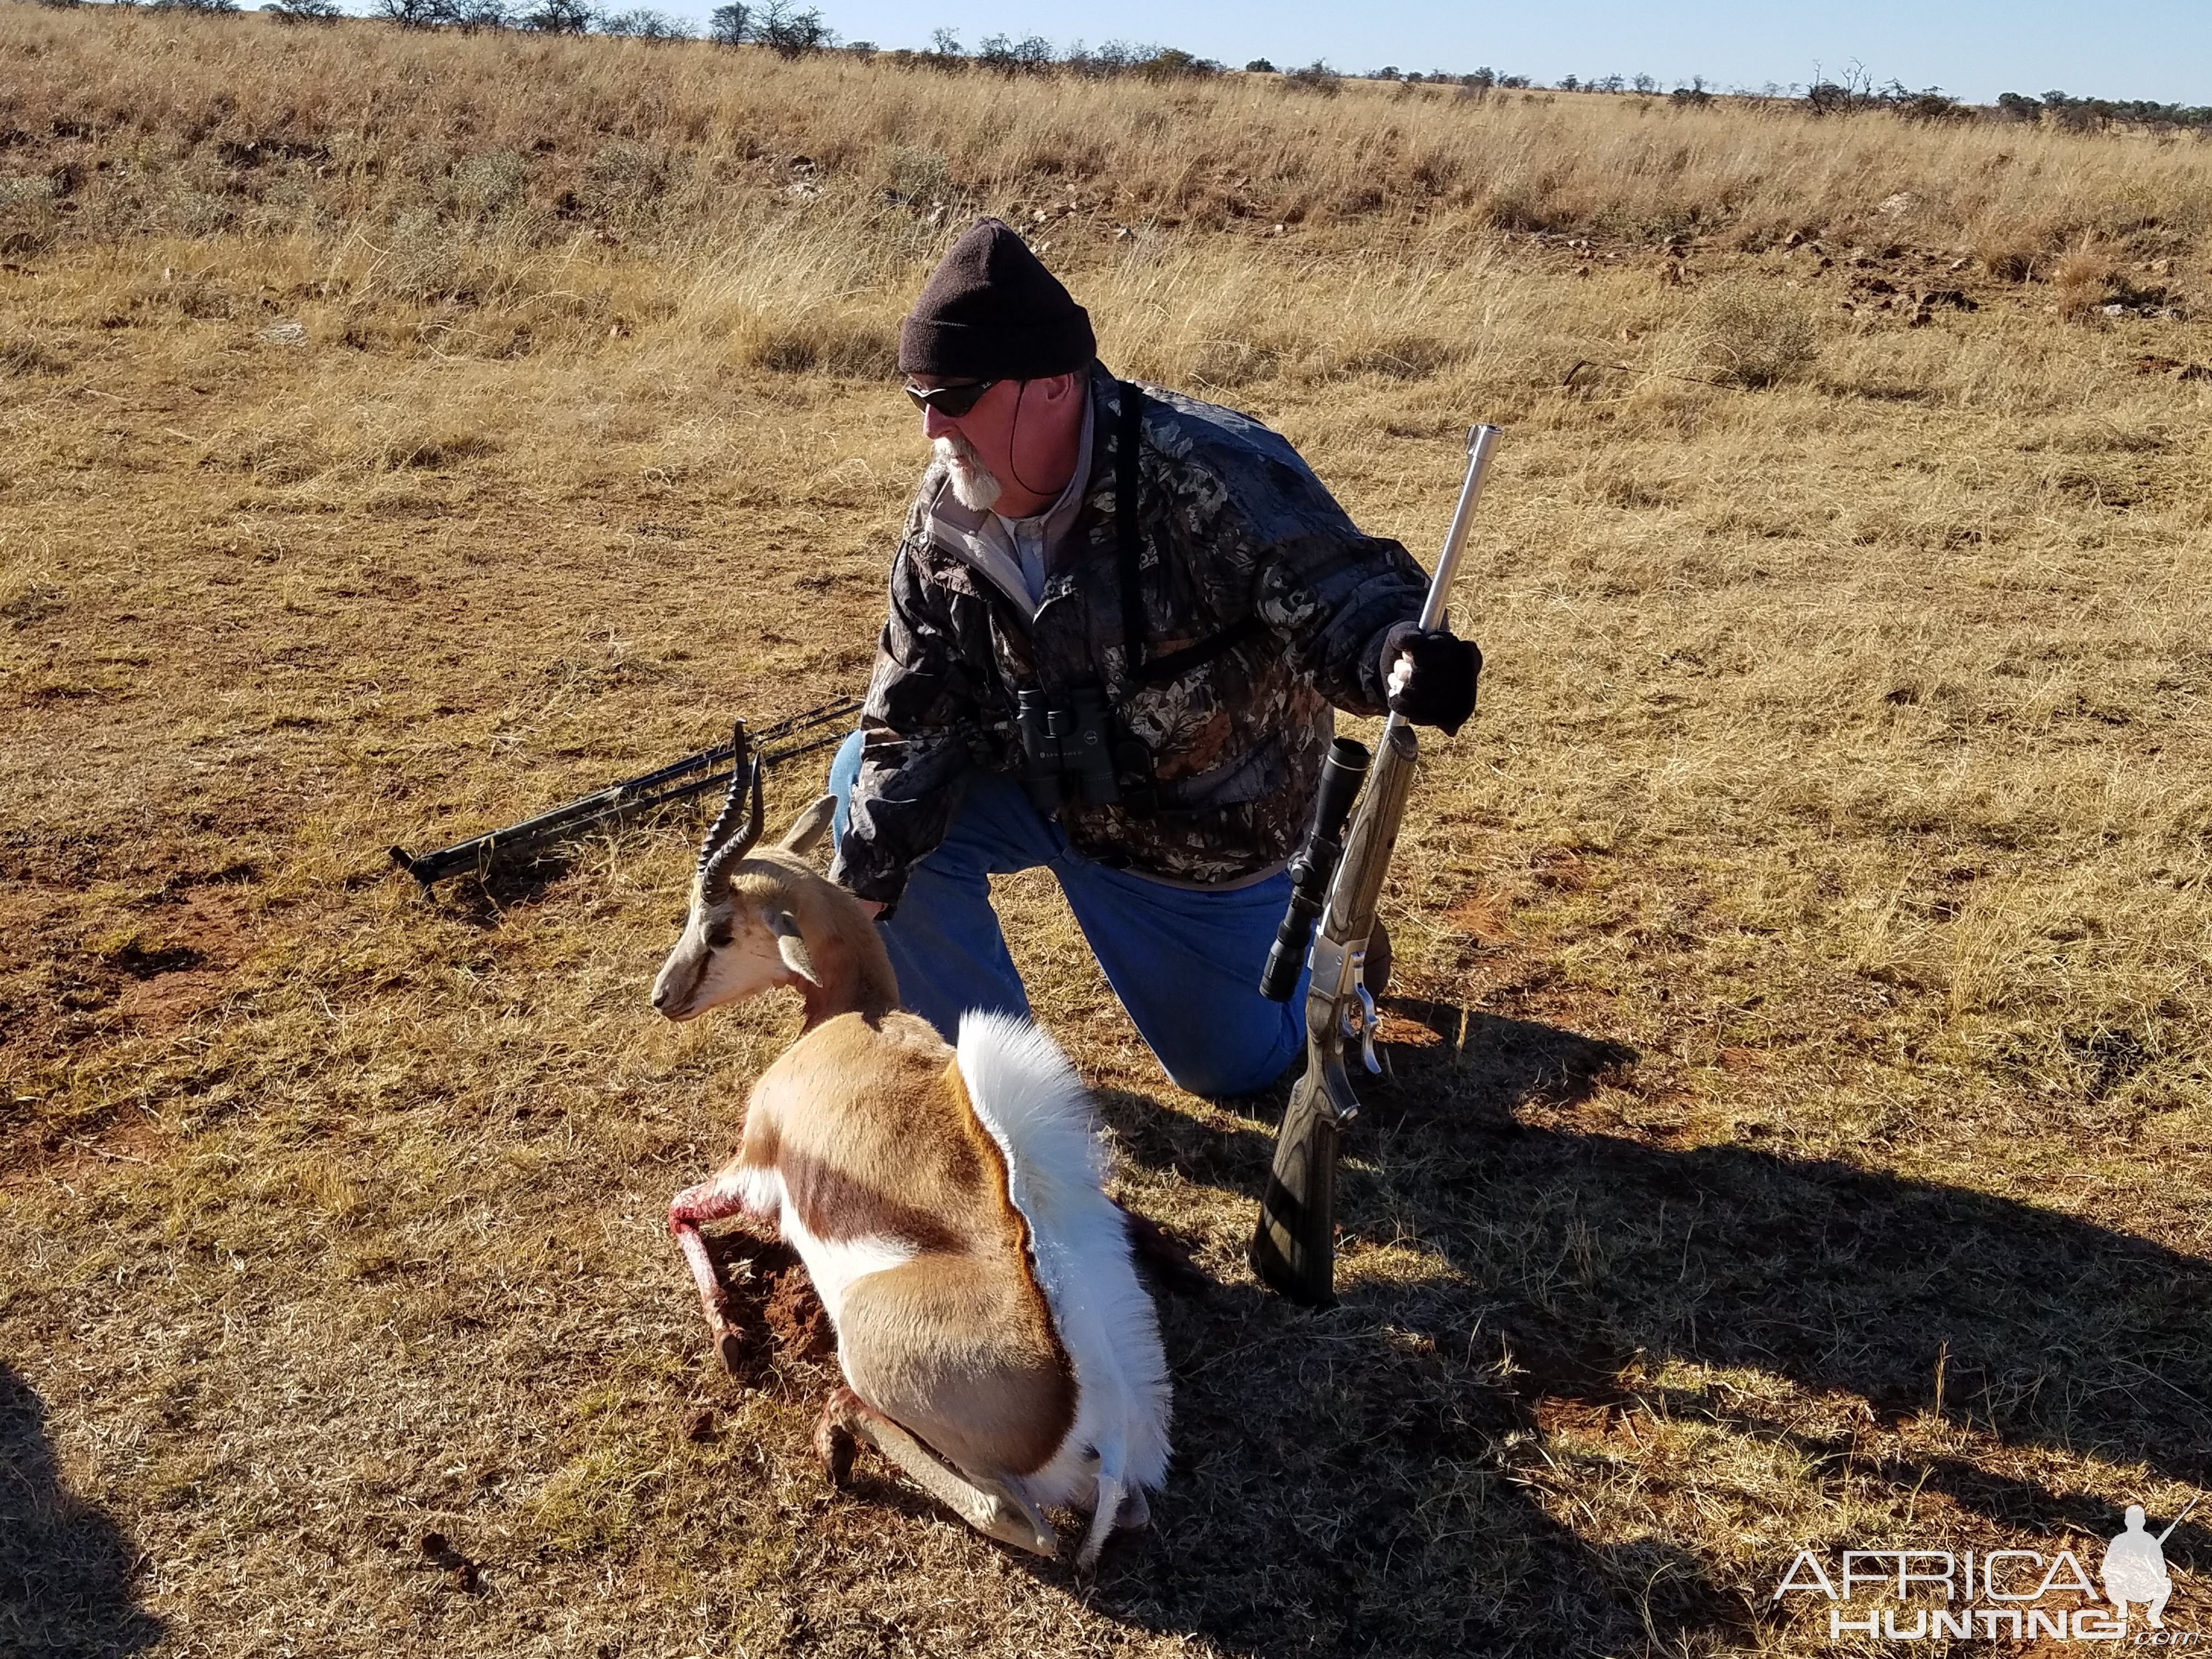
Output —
<point x="65" y="1569"/>
<point x="1349" y="1482"/>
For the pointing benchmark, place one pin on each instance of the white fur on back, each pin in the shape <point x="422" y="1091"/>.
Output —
<point x="1035" y="1105"/>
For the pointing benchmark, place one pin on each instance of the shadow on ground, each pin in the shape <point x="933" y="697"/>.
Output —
<point x="483" y="897"/>
<point x="65" y="1569"/>
<point x="1346" y="1481"/>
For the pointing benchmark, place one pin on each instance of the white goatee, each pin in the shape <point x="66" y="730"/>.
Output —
<point x="975" y="486"/>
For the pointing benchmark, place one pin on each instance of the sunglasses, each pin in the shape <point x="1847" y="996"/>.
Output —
<point x="949" y="401"/>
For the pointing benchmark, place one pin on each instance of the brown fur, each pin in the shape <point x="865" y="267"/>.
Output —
<point x="957" y="1344"/>
<point x="866" y="1122"/>
<point x="849" y="960"/>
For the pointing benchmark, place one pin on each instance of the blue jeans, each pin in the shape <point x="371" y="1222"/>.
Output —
<point x="1186" y="965"/>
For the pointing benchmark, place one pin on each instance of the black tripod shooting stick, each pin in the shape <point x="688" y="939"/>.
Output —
<point x="1293" y="1249"/>
<point x="695" y="774"/>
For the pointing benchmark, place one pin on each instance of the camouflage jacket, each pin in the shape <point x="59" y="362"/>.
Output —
<point x="1233" y="524"/>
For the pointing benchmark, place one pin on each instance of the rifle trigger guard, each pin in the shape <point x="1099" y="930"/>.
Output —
<point x="1365" y="1021"/>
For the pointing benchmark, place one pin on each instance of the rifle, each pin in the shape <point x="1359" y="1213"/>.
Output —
<point x="694" y="774"/>
<point x="2179" y="1519"/>
<point x="1293" y="1249"/>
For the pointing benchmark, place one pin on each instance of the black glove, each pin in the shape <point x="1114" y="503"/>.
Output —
<point x="1440" y="692"/>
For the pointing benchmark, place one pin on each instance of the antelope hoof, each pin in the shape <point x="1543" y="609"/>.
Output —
<point x="1007" y="1524"/>
<point x="731" y="1346"/>
<point x="833" y="1443"/>
<point x="1136" y="1513"/>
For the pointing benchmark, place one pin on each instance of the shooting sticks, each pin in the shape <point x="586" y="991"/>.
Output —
<point x="710" y="769"/>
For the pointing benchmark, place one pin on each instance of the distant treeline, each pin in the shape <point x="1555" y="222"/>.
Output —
<point x="1856" y="91"/>
<point x="792" y="30"/>
<point x="2086" y="113"/>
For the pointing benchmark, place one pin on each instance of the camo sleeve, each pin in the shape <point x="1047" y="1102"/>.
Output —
<point x="1332" y="596"/>
<point x="915" y="740"/>
<point x="1326" y="591"/>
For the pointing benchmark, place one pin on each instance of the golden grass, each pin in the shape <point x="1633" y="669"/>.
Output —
<point x="1803" y="962"/>
<point x="238" y="124"/>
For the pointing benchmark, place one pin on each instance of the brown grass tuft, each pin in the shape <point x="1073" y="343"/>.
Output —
<point x="852" y="348"/>
<point x="2081" y="280"/>
<point x="1752" y="335"/>
<point x="2017" y="249"/>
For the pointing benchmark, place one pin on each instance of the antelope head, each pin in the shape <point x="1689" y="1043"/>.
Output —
<point x="741" y="937"/>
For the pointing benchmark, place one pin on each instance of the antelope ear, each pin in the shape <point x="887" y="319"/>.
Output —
<point x="790" y="946"/>
<point x="808" y="827"/>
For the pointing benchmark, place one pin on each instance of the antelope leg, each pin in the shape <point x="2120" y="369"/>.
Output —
<point x="993" y="1511"/>
<point x="711" y="1200"/>
<point x="833" y="1438"/>
<point x="1102" y="1524"/>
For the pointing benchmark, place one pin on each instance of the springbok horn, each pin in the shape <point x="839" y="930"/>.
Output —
<point x="726" y="821"/>
<point x="715" y="874"/>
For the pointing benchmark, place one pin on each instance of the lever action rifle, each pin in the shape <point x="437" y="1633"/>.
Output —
<point x="1294" y="1249"/>
<point x="694" y="774"/>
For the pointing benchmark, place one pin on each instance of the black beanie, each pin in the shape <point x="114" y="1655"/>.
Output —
<point x="991" y="311"/>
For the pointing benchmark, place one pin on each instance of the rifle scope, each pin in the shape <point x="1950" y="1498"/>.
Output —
<point x="1315" y="867"/>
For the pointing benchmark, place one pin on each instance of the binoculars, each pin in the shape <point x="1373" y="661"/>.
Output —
<point x="1067" y="748"/>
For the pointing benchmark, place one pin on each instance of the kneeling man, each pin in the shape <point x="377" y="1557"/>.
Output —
<point x="1119" y="617"/>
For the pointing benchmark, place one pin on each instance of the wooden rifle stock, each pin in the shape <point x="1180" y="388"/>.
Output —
<point x="1293" y="1249"/>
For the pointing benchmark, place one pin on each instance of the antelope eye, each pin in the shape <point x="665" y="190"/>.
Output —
<point x="718" y="935"/>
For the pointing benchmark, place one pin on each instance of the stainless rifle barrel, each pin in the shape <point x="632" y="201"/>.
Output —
<point x="1481" y="440"/>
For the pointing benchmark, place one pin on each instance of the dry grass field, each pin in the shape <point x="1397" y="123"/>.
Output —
<point x="1799" y="1122"/>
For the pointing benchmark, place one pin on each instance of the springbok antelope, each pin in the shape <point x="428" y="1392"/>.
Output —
<point x="949" y="1203"/>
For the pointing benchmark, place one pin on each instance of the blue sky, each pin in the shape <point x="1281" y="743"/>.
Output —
<point x="2159" y="49"/>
